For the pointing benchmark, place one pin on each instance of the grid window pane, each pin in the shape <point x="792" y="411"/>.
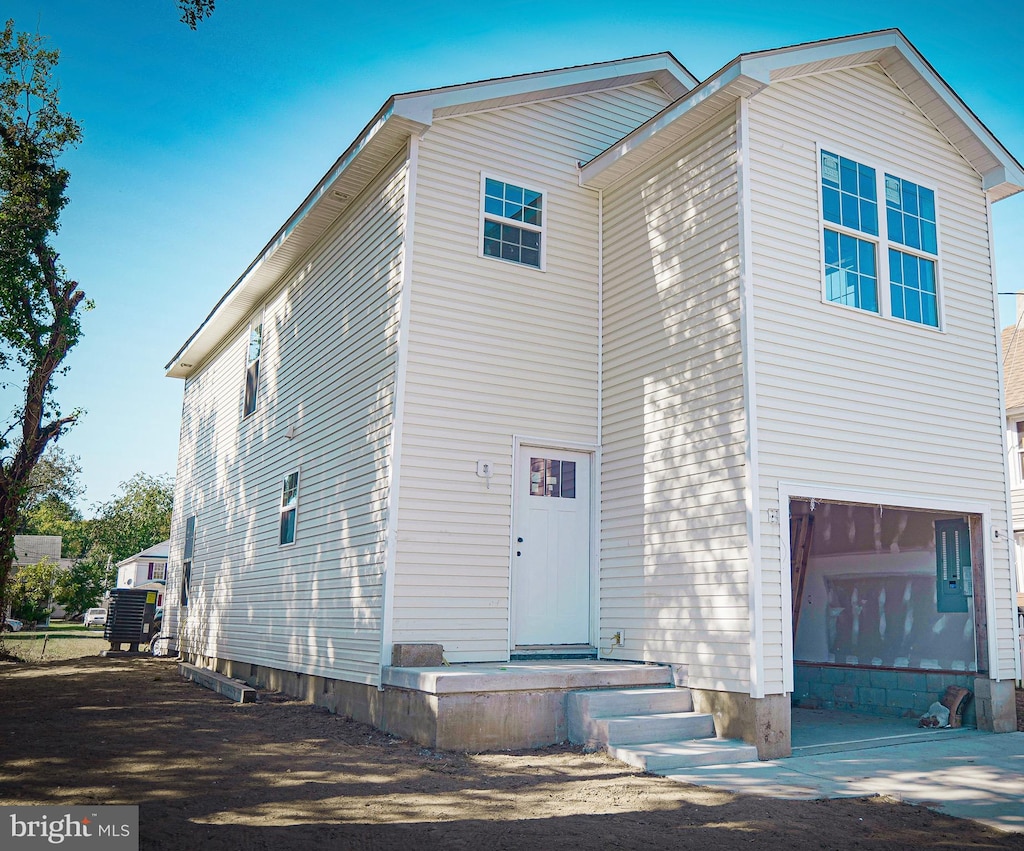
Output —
<point x="508" y="203"/>
<point x="913" y="207"/>
<point x="552" y="477"/>
<point x="850" y="271"/>
<point x="912" y="288"/>
<point x="856" y="206"/>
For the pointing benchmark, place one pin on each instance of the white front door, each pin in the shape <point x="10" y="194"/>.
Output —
<point x="551" y="548"/>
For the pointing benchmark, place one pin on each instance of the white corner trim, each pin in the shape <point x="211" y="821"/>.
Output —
<point x="395" y="460"/>
<point x="748" y="355"/>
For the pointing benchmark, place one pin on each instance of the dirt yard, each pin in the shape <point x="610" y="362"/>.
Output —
<point x="280" y="774"/>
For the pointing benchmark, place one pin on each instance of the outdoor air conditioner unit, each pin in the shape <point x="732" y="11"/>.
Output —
<point x="130" y="617"/>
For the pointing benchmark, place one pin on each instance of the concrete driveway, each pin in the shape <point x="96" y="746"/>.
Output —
<point x="967" y="774"/>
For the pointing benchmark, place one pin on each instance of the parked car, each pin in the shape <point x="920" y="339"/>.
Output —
<point x="12" y="625"/>
<point x="95" y="616"/>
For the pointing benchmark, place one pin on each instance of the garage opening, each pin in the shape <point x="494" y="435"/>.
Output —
<point x="888" y="607"/>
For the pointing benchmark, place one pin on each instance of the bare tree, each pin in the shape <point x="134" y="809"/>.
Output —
<point x="39" y="306"/>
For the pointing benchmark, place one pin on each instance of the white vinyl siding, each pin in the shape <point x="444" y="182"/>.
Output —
<point x="852" y="399"/>
<point x="328" y="367"/>
<point x="675" y="561"/>
<point x="495" y="350"/>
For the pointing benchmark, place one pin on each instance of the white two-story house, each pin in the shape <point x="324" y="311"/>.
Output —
<point x="611" y="362"/>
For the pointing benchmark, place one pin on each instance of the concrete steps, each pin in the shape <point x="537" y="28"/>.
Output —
<point x="654" y="729"/>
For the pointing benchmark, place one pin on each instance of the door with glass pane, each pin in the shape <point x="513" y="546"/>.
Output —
<point x="551" y="548"/>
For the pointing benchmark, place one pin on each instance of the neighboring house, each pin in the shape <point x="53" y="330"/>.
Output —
<point x="32" y="549"/>
<point x="1013" y="378"/>
<point x="146" y="569"/>
<point x="607" y="361"/>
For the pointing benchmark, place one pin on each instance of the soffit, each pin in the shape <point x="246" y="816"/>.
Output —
<point x="322" y="207"/>
<point x="387" y="134"/>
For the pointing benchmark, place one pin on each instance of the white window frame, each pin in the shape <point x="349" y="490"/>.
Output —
<point x="255" y="322"/>
<point x="290" y="507"/>
<point x="1016" y="452"/>
<point x="881" y="242"/>
<point x="187" y="557"/>
<point x="542" y="229"/>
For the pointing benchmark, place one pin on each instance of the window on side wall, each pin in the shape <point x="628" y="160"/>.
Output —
<point x="863" y="249"/>
<point x="186" y="558"/>
<point x="512" y="223"/>
<point x="289" y="507"/>
<point x="1017" y="462"/>
<point x="252" y="366"/>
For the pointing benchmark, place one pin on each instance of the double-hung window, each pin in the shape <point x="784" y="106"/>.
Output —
<point x="289" y="507"/>
<point x="252" y="366"/>
<point x="513" y="222"/>
<point x="863" y="248"/>
<point x="186" y="558"/>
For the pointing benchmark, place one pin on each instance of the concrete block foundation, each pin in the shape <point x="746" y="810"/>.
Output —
<point x="896" y="693"/>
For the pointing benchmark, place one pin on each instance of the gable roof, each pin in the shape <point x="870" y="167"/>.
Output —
<point x="1013" y="366"/>
<point x="388" y="132"/>
<point x="750" y="73"/>
<point x="159" y="550"/>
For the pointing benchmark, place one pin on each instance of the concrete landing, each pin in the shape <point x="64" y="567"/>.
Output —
<point x="488" y="706"/>
<point x="531" y="675"/>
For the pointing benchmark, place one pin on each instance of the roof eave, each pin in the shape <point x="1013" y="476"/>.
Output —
<point x="1001" y="174"/>
<point x="381" y="139"/>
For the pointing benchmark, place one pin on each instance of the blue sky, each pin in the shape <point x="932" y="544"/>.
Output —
<point x="198" y="145"/>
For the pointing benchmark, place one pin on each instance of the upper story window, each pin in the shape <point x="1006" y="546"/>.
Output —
<point x="289" y="507"/>
<point x="860" y="251"/>
<point x="252" y="366"/>
<point x="512" y="227"/>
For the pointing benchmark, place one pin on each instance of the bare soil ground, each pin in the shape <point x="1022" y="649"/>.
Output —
<point x="280" y="774"/>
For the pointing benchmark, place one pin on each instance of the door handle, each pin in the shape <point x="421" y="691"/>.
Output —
<point x="519" y="540"/>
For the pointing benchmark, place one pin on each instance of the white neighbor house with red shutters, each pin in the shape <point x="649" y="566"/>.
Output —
<point x="611" y="363"/>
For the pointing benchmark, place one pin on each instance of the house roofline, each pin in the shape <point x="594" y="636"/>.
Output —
<point x="401" y="116"/>
<point x="1002" y="175"/>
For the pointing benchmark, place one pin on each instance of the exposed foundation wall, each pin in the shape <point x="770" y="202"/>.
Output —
<point x="762" y="722"/>
<point x="472" y="721"/>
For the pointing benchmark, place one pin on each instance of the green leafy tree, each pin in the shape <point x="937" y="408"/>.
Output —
<point x="135" y="520"/>
<point x="81" y="586"/>
<point x="39" y="305"/>
<point x="32" y="590"/>
<point x="48" y="507"/>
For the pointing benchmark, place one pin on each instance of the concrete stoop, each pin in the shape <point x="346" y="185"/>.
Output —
<point x="654" y="729"/>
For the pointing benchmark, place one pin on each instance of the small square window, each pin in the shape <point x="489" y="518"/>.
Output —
<point x="512" y="223"/>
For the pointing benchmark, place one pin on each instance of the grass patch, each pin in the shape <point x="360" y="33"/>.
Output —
<point x="47" y="646"/>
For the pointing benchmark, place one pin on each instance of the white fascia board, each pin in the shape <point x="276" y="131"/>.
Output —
<point x="1005" y="180"/>
<point x="224" y="315"/>
<point x="421" y="106"/>
<point x="721" y="81"/>
<point x="766" y="66"/>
